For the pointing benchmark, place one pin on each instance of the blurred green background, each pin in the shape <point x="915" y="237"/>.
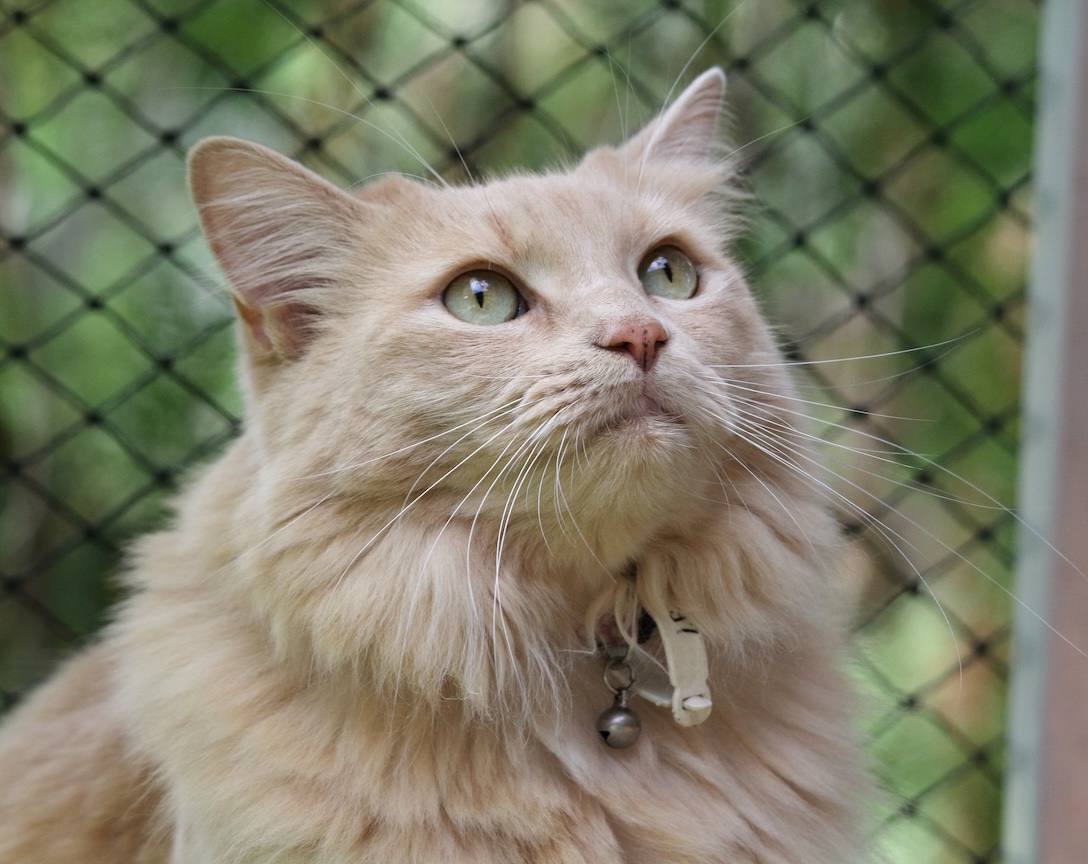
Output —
<point x="887" y="146"/>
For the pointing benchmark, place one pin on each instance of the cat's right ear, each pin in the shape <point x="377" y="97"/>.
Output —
<point x="688" y="129"/>
<point x="280" y="233"/>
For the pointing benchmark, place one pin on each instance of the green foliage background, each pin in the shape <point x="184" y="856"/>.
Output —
<point x="887" y="148"/>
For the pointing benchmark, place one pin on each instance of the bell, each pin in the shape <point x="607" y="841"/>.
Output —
<point x="619" y="725"/>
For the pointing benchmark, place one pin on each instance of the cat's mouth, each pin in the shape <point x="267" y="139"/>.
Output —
<point x="644" y="411"/>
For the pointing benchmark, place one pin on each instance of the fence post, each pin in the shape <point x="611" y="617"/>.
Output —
<point x="1046" y="801"/>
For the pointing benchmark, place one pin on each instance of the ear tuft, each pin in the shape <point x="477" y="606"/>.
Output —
<point x="280" y="233"/>
<point x="688" y="129"/>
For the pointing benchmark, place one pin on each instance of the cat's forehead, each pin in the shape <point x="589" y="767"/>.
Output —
<point x="580" y="217"/>
<point x="535" y="215"/>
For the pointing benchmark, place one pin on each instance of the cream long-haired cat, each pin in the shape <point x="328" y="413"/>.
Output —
<point x="516" y="455"/>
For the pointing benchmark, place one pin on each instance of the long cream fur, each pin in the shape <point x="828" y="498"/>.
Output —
<point x="368" y="633"/>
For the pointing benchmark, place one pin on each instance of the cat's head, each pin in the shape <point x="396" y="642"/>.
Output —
<point x="574" y="348"/>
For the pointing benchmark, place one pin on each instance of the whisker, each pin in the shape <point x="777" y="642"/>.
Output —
<point x="286" y="523"/>
<point x="453" y="143"/>
<point x="888" y="533"/>
<point x="853" y="358"/>
<point x="771" y="446"/>
<point x="481" y="420"/>
<point x="453" y="514"/>
<point x="896" y="448"/>
<point x="884" y="456"/>
<point x="519" y="482"/>
<point x="733" y="153"/>
<point x="776" y="395"/>
<point x="398" y="138"/>
<point x="409" y="504"/>
<point x="755" y="476"/>
<point x="562" y="498"/>
<point x="295" y="97"/>
<point x="503" y="412"/>
<point x="506" y="377"/>
<point x="683" y="71"/>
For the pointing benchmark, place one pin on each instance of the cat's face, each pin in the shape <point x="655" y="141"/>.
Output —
<point x="573" y="341"/>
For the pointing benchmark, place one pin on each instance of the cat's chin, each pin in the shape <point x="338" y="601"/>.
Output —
<point x="647" y="444"/>
<point x="645" y="428"/>
<point x="644" y="414"/>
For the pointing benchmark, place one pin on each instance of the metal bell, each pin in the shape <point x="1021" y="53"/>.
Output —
<point x="619" y="726"/>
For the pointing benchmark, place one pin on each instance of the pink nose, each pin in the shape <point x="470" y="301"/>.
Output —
<point x="640" y="338"/>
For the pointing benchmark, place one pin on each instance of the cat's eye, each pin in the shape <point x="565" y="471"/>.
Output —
<point x="668" y="272"/>
<point x="483" y="297"/>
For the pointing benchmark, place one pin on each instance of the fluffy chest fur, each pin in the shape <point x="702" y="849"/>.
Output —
<point x="446" y="740"/>
<point x="480" y="420"/>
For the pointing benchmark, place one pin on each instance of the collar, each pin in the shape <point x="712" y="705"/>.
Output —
<point x="682" y="685"/>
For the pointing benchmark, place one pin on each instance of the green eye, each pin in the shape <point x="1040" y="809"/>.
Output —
<point x="668" y="272"/>
<point x="483" y="297"/>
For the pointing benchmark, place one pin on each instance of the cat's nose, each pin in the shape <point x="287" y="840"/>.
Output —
<point x="641" y="338"/>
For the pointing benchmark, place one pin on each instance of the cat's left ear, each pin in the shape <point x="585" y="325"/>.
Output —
<point x="687" y="130"/>
<point x="281" y="233"/>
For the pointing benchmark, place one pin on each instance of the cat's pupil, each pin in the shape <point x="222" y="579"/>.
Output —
<point x="662" y="263"/>
<point x="479" y="288"/>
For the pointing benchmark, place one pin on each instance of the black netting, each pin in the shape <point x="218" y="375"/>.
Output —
<point x="887" y="144"/>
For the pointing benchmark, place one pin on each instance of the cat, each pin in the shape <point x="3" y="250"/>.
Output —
<point x="514" y="453"/>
